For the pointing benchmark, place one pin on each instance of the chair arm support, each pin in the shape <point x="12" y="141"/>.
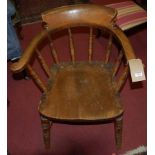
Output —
<point x="28" y="53"/>
<point x="135" y="65"/>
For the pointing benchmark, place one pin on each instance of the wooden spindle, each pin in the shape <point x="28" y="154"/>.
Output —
<point x="37" y="79"/>
<point x="108" y="49"/>
<point x="43" y="63"/>
<point x="90" y="44"/>
<point x="117" y="64"/>
<point x="52" y="48"/>
<point x="72" y="50"/>
<point x="122" y="78"/>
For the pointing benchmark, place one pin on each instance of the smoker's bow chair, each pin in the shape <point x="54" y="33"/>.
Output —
<point x="80" y="91"/>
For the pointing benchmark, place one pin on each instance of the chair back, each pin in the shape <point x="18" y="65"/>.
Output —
<point x="87" y="18"/>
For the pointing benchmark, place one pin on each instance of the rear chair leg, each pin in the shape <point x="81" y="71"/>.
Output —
<point x="46" y="125"/>
<point x="118" y="131"/>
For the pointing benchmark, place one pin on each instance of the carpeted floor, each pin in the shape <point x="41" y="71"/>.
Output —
<point x="24" y="130"/>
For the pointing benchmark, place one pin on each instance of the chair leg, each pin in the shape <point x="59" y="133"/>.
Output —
<point x="118" y="131"/>
<point x="46" y="125"/>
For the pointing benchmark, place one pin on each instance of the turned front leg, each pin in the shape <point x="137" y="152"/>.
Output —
<point x="118" y="124"/>
<point x="46" y="125"/>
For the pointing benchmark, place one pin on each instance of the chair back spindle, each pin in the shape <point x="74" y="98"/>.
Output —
<point x="90" y="44"/>
<point x="43" y="63"/>
<point x="108" y="49"/>
<point x="52" y="48"/>
<point x="71" y="45"/>
<point x="117" y="64"/>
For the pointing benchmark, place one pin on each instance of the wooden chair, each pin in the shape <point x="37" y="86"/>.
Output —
<point x="80" y="91"/>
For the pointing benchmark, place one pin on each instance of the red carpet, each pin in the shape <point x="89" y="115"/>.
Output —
<point x="24" y="129"/>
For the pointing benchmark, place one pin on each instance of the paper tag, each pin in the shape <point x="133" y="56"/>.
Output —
<point x="136" y="70"/>
<point x="138" y="74"/>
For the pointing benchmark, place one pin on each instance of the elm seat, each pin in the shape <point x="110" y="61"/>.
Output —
<point x="85" y="91"/>
<point x="129" y="14"/>
<point x="79" y="89"/>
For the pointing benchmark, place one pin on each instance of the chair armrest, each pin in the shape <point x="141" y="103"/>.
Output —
<point x="135" y="65"/>
<point x="125" y="43"/>
<point x="28" y="53"/>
